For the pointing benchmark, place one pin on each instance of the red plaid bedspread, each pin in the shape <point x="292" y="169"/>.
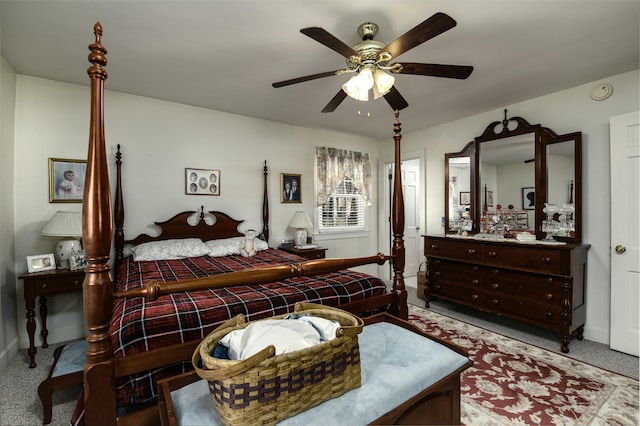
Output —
<point x="140" y="326"/>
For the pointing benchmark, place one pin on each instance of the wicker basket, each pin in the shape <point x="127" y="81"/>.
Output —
<point x="265" y="388"/>
<point x="422" y="281"/>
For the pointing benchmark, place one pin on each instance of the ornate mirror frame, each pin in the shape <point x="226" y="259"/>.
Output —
<point x="545" y="141"/>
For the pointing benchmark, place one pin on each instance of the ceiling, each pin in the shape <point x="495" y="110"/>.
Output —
<point x="224" y="55"/>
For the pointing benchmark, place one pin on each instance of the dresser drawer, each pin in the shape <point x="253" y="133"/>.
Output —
<point x="460" y="294"/>
<point x="526" y="287"/>
<point x="535" y="259"/>
<point x="455" y="273"/>
<point x="466" y="251"/>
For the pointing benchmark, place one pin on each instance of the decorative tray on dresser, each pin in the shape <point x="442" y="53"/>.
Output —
<point x="538" y="283"/>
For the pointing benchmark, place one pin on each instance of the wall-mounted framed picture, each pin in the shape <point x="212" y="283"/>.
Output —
<point x="66" y="180"/>
<point x="489" y="198"/>
<point x="528" y="198"/>
<point x="41" y="262"/>
<point x="202" y="182"/>
<point x="465" y="198"/>
<point x="77" y="261"/>
<point x="290" y="185"/>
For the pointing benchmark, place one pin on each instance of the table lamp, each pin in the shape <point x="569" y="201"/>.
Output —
<point x="300" y="222"/>
<point x="69" y="226"/>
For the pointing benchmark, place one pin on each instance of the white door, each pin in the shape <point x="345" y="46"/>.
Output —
<point x="625" y="232"/>
<point x="411" y="191"/>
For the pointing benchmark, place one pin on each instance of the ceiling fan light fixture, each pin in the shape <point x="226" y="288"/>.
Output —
<point x="383" y="83"/>
<point x="359" y="85"/>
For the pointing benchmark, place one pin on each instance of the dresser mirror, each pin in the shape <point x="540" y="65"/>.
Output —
<point x="522" y="177"/>
<point x="459" y="189"/>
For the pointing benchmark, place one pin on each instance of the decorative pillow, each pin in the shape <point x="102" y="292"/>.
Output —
<point x="170" y="249"/>
<point x="224" y="247"/>
<point x="229" y="246"/>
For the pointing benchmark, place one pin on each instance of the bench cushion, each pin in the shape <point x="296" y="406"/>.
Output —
<point x="396" y="364"/>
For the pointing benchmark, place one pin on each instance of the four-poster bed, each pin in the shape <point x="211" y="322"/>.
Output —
<point x="104" y="371"/>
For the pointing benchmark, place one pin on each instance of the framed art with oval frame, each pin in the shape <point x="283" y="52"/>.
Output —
<point x="290" y="188"/>
<point x="202" y="182"/>
<point x="66" y="180"/>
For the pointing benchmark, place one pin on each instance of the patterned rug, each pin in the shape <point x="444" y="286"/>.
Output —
<point x="512" y="382"/>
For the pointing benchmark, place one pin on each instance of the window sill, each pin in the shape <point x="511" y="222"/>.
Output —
<point x="339" y="235"/>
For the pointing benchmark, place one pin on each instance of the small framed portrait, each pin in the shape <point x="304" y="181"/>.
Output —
<point x="77" y="261"/>
<point x="202" y="182"/>
<point x="41" y="262"/>
<point x="66" y="180"/>
<point x="528" y="198"/>
<point x="290" y="188"/>
<point x="465" y="198"/>
<point x="489" y="198"/>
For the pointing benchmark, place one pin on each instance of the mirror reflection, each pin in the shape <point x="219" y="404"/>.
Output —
<point x="507" y="181"/>
<point x="459" y="190"/>
<point x="559" y="210"/>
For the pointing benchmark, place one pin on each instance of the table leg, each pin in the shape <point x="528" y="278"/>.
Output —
<point x="31" y="330"/>
<point x="43" y="318"/>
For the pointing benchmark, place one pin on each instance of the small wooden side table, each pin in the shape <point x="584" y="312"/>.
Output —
<point x="310" y="254"/>
<point x="43" y="284"/>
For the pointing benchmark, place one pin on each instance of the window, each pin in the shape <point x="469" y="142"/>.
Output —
<point x="342" y="179"/>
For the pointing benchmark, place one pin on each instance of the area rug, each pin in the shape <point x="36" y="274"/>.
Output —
<point x="515" y="383"/>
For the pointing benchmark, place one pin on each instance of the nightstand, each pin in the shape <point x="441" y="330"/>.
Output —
<point x="310" y="254"/>
<point x="43" y="284"/>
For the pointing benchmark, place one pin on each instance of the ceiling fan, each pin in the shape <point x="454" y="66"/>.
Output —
<point x="370" y="58"/>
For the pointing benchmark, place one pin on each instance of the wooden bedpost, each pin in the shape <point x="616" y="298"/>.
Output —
<point x="99" y="371"/>
<point x="397" y="219"/>
<point x="265" y="204"/>
<point x="118" y="208"/>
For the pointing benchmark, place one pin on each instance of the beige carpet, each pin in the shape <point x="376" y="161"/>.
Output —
<point x="516" y="383"/>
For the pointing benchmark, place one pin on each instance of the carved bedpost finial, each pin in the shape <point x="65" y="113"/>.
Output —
<point x="201" y="213"/>
<point x="97" y="56"/>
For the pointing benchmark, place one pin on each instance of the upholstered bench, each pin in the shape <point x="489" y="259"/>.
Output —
<point x="407" y="377"/>
<point x="66" y="371"/>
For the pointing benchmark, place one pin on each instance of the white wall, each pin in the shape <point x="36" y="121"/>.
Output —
<point x="159" y="140"/>
<point x="8" y="316"/>
<point x="564" y="112"/>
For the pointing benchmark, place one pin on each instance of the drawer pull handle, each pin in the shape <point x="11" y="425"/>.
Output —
<point x="495" y="286"/>
<point x="549" y="280"/>
<point x="76" y="283"/>
<point x="437" y="274"/>
<point x="494" y="301"/>
<point x="546" y="260"/>
<point x="548" y="315"/>
<point x="472" y="251"/>
<point x="434" y="247"/>
<point x="493" y="254"/>
<point x="548" y="296"/>
<point x="474" y="297"/>
<point x="437" y="287"/>
<point x="475" y="268"/>
<point x="475" y="282"/>
<point x="44" y="285"/>
<point x="495" y="271"/>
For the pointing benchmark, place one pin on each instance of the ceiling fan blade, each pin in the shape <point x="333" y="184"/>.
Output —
<point x="428" y="29"/>
<point x="303" y="79"/>
<point x="437" y="70"/>
<point x="333" y="103"/>
<point x="395" y="99"/>
<point x="322" y="36"/>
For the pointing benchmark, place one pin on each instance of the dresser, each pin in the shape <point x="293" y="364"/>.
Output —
<point x="540" y="284"/>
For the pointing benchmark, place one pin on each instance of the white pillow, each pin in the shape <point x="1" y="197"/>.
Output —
<point x="229" y="246"/>
<point x="170" y="249"/>
<point x="224" y="247"/>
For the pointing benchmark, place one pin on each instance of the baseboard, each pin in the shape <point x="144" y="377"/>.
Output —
<point x="8" y="354"/>
<point x="597" y="335"/>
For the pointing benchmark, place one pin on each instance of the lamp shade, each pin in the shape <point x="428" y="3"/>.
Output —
<point x="300" y="219"/>
<point x="69" y="226"/>
<point x="64" y="224"/>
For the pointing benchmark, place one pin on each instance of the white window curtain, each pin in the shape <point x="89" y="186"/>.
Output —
<point x="334" y="165"/>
